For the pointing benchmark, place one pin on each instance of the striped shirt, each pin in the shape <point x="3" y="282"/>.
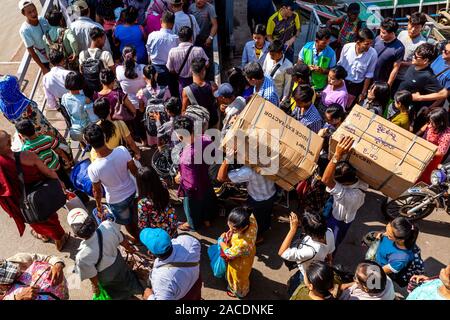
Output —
<point x="310" y="119"/>
<point x="43" y="146"/>
<point x="177" y="56"/>
<point x="268" y="91"/>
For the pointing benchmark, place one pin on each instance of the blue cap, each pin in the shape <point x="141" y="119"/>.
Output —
<point x="225" y="90"/>
<point x="156" y="240"/>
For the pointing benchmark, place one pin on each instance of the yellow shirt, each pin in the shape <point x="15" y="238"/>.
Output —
<point x="281" y="29"/>
<point x="402" y="120"/>
<point x="120" y="134"/>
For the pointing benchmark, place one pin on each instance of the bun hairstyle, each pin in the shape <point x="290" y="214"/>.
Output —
<point x="129" y="61"/>
<point x="240" y="217"/>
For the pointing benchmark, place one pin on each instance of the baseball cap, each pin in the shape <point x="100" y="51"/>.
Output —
<point x="77" y="216"/>
<point x="225" y="90"/>
<point x="300" y="70"/>
<point x="24" y="3"/>
<point x="156" y="240"/>
<point x="81" y="5"/>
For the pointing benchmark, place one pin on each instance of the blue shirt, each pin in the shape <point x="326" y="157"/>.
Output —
<point x="78" y="111"/>
<point x="310" y="119"/>
<point x="132" y="36"/>
<point x="389" y="254"/>
<point x="159" y="44"/>
<point x="33" y="37"/>
<point x="327" y="52"/>
<point x="427" y="291"/>
<point x="438" y="66"/>
<point x="268" y="92"/>
<point x="388" y="54"/>
<point x="249" y="54"/>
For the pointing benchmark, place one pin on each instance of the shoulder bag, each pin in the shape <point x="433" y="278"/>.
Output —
<point x="121" y="112"/>
<point x="34" y="202"/>
<point x="177" y="75"/>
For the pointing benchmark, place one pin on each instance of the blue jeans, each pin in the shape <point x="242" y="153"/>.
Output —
<point x="123" y="210"/>
<point x="339" y="228"/>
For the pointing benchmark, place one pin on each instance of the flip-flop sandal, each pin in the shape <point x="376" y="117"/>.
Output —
<point x="39" y="236"/>
<point x="63" y="242"/>
<point x="231" y="294"/>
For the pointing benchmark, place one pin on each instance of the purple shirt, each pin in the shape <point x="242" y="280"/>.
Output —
<point x="339" y="96"/>
<point x="194" y="176"/>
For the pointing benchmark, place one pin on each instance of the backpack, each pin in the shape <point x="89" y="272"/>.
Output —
<point x="414" y="267"/>
<point x="198" y="114"/>
<point x="154" y="105"/>
<point x="58" y="44"/>
<point x="91" y="68"/>
<point x="37" y="274"/>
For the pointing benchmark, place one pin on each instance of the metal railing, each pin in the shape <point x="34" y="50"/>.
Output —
<point x="314" y="24"/>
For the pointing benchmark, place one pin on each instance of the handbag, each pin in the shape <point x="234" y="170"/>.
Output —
<point x="121" y="112"/>
<point x="102" y="295"/>
<point x="34" y="202"/>
<point x="298" y="243"/>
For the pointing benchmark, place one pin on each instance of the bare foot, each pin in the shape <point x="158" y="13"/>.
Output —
<point x="61" y="243"/>
<point x="185" y="227"/>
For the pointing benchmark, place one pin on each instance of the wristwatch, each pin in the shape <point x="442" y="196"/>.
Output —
<point x="211" y="37"/>
<point x="334" y="160"/>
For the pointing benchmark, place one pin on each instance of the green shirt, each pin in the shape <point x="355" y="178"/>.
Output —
<point x="43" y="147"/>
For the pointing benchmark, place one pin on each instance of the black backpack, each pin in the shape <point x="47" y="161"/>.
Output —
<point x="91" y="68"/>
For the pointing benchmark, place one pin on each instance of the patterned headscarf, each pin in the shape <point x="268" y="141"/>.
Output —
<point x="8" y="272"/>
<point x="12" y="101"/>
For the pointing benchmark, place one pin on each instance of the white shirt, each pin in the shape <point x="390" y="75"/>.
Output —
<point x="181" y="20"/>
<point x="281" y="79"/>
<point x="174" y="283"/>
<point x="359" y="67"/>
<point x="347" y="200"/>
<point x="54" y="85"/>
<point x="88" y="251"/>
<point x="410" y="46"/>
<point x="258" y="187"/>
<point x="131" y="86"/>
<point x="81" y="28"/>
<point x="310" y="251"/>
<point x="112" y="172"/>
<point x="106" y="57"/>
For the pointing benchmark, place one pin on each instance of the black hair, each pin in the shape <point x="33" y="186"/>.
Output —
<point x="440" y="119"/>
<point x="339" y="72"/>
<point x="93" y="134"/>
<point x="54" y="17"/>
<point x="184" y="123"/>
<point x="198" y="65"/>
<point x="129" y="63"/>
<point x="371" y="277"/>
<point x="253" y="70"/>
<point x="321" y="276"/>
<point x="404" y="97"/>
<point x="131" y="15"/>
<point x="303" y="74"/>
<point x="237" y="80"/>
<point x="105" y="9"/>
<point x="382" y="93"/>
<point x="74" y="81"/>
<point x="364" y="34"/>
<point x="96" y="33"/>
<point x="418" y="18"/>
<point x="239" y="217"/>
<point x="323" y="34"/>
<point x="276" y="46"/>
<point x="185" y="34"/>
<point x="405" y="230"/>
<point x="173" y="105"/>
<point x="345" y="173"/>
<point x="303" y="93"/>
<point x="55" y="57"/>
<point x="314" y="225"/>
<point x="336" y="111"/>
<point x="149" y="185"/>
<point x="353" y="7"/>
<point x="86" y="229"/>
<point x="389" y="24"/>
<point x="25" y="127"/>
<point x="260" y="29"/>
<point x="102" y="109"/>
<point x="107" y="76"/>
<point x="426" y="51"/>
<point x="84" y="12"/>
<point x="168" y="17"/>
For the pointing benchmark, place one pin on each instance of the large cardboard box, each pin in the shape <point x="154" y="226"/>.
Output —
<point x="387" y="157"/>
<point x="293" y="149"/>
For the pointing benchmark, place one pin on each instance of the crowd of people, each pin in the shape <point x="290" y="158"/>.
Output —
<point x="121" y="57"/>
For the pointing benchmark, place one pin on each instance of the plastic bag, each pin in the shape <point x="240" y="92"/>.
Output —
<point x="102" y="295"/>
<point x="218" y="264"/>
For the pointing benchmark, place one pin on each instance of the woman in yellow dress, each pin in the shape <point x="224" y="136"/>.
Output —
<point x="238" y="246"/>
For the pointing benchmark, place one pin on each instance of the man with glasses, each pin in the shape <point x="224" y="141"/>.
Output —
<point x="411" y="39"/>
<point x="420" y="78"/>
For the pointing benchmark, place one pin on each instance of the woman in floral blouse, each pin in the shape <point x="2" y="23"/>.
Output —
<point x="154" y="209"/>
<point x="238" y="246"/>
<point x="437" y="132"/>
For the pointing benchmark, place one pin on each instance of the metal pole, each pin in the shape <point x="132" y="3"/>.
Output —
<point x="447" y="6"/>
<point x="420" y="5"/>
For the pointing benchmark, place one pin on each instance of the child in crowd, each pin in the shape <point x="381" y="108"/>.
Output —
<point x="400" y="116"/>
<point x="378" y="98"/>
<point x="152" y="90"/>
